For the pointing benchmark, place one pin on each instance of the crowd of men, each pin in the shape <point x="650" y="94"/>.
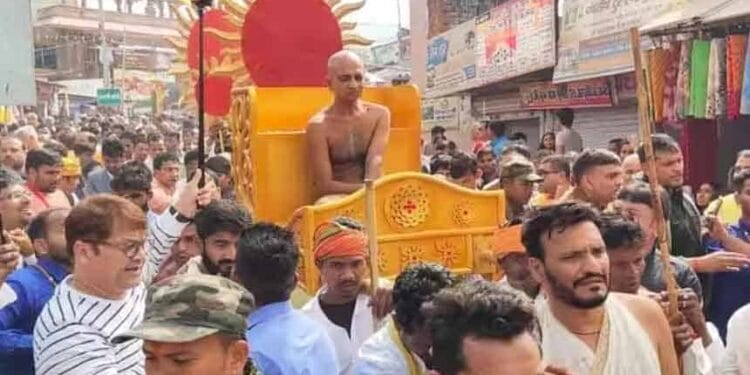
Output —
<point x="116" y="259"/>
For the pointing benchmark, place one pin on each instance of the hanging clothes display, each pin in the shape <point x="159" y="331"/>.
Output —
<point x="657" y="67"/>
<point x="714" y="107"/>
<point x="670" y="83"/>
<point x="736" y="50"/>
<point x="745" y="98"/>
<point x="682" y="97"/>
<point x="698" y="78"/>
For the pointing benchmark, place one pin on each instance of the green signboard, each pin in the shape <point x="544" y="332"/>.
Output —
<point x="108" y="97"/>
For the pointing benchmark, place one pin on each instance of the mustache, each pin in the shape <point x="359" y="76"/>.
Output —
<point x="590" y="277"/>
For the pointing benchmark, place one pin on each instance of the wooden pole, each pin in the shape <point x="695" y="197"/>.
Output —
<point x="644" y="121"/>
<point x="372" y="234"/>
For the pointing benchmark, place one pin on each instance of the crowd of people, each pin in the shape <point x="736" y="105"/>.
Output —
<point x="116" y="259"/>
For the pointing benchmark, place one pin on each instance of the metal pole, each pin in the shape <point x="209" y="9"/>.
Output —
<point x="201" y="99"/>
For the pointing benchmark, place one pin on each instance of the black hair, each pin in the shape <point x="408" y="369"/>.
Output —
<point x="38" y="158"/>
<point x="440" y="162"/>
<point x="437" y="130"/>
<point x="517" y="149"/>
<point x="566" y="116"/>
<point x="484" y="151"/>
<point x="663" y="143"/>
<point x="56" y="147"/>
<point x="221" y="216"/>
<point x="739" y="178"/>
<point x="478" y="309"/>
<point x="558" y="217"/>
<point x="517" y="136"/>
<point x="133" y="175"/>
<point x="190" y="156"/>
<point x="112" y="148"/>
<point x="128" y="135"/>
<point x="416" y="285"/>
<point x="462" y="165"/>
<point x="592" y="158"/>
<point x="154" y="137"/>
<point x="541" y="141"/>
<point x="559" y="162"/>
<point x="219" y="164"/>
<point x="163" y="158"/>
<point x="37" y="228"/>
<point x="620" y="233"/>
<point x="266" y="263"/>
<point x="640" y="192"/>
<point x="497" y="128"/>
<point x="172" y="134"/>
<point x="9" y="178"/>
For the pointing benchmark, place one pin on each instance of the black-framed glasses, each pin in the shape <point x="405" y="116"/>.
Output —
<point x="129" y="248"/>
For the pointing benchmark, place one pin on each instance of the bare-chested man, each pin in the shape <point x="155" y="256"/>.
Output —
<point x="347" y="139"/>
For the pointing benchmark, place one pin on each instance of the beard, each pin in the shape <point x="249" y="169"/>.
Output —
<point x="568" y="295"/>
<point x="223" y="267"/>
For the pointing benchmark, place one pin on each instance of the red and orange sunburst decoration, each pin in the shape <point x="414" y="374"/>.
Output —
<point x="268" y="43"/>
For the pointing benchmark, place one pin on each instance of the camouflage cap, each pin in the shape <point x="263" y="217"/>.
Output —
<point x="519" y="168"/>
<point x="187" y="307"/>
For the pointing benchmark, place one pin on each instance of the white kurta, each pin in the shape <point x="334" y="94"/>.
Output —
<point x="382" y="354"/>
<point x="630" y="349"/>
<point x="362" y="328"/>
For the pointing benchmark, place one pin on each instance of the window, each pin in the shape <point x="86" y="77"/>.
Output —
<point x="45" y="58"/>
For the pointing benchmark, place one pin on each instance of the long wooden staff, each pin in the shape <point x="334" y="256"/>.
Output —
<point x="372" y="236"/>
<point x="644" y="122"/>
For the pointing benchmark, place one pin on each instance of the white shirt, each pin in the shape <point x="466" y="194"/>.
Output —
<point x="737" y="357"/>
<point x="570" y="139"/>
<point x="363" y="326"/>
<point x="380" y="354"/>
<point x="7" y="295"/>
<point x="74" y="330"/>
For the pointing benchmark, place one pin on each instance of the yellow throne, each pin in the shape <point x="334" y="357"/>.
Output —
<point x="419" y="218"/>
<point x="271" y="170"/>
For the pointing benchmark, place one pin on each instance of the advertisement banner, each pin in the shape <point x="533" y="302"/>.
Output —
<point x="579" y="94"/>
<point x="515" y="38"/>
<point x="594" y="38"/>
<point x="452" y="61"/>
<point x="444" y="111"/>
<point x="518" y="37"/>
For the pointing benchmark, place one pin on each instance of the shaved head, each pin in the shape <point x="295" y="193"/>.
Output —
<point x="341" y="59"/>
<point x="346" y="74"/>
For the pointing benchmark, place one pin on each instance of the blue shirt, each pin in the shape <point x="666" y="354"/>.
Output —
<point x="498" y="144"/>
<point x="730" y="289"/>
<point x="285" y="342"/>
<point x="33" y="289"/>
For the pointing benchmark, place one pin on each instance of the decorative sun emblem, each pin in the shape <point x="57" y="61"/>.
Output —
<point x="411" y="254"/>
<point x="464" y="213"/>
<point x="408" y="207"/>
<point x="448" y="252"/>
<point x="271" y="43"/>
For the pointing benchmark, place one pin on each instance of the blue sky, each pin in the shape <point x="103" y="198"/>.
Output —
<point x="378" y="19"/>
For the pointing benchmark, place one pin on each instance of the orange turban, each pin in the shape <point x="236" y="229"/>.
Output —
<point x="341" y="237"/>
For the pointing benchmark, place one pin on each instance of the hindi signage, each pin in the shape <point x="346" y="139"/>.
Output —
<point x="515" y="38"/>
<point x="594" y="38"/>
<point x="579" y="94"/>
<point x="452" y="61"/>
<point x="108" y="97"/>
<point x="518" y="37"/>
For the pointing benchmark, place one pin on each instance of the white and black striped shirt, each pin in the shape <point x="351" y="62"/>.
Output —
<point x="73" y="333"/>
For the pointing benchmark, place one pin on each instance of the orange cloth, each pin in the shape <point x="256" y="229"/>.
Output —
<point x="333" y="239"/>
<point x="736" y="49"/>
<point x="508" y="241"/>
<point x="658" y="65"/>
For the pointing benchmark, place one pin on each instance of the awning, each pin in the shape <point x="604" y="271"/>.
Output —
<point x="698" y="12"/>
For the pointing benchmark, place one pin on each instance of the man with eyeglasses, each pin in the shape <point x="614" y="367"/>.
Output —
<point x="105" y="294"/>
<point x="555" y="171"/>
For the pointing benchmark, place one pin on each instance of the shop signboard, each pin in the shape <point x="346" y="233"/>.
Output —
<point x="589" y="93"/>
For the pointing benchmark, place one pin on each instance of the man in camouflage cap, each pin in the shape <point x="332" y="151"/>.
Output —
<point x="195" y="324"/>
<point x="517" y="178"/>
